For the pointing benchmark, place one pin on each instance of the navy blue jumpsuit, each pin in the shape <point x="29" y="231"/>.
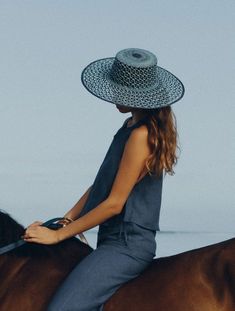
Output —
<point x="126" y="242"/>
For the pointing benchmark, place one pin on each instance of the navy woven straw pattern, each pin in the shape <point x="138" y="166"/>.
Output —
<point x="136" y="77"/>
<point x="132" y="78"/>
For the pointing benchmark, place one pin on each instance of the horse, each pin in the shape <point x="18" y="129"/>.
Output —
<point x="201" y="279"/>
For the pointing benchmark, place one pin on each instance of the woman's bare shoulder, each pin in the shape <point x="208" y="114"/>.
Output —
<point x="141" y="131"/>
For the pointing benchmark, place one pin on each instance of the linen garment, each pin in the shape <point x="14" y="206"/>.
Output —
<point x="126" y="242"/>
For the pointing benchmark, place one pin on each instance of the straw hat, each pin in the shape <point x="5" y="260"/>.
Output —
<point x="132" y="78"/>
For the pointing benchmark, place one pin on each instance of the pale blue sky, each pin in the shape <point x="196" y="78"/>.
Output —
<point x="54" y="134"/>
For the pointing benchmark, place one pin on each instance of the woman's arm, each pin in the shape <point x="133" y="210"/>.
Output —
<point x="133" y="160"/>
<point x="131" y="165"/>
<point x="73" y="213"/>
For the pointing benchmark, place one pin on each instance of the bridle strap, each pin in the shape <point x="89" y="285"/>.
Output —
<point x="11" y="246"/>
<point x="48" y="223"/>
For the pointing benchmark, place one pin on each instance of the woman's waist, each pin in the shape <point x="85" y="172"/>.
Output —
<point x="127" y="230"/>
<point x="135" y="240"/>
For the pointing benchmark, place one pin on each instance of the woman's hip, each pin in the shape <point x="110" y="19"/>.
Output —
<point x="135" y="240"/>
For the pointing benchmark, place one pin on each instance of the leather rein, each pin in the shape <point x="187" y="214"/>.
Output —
<point x="51" y="223"/>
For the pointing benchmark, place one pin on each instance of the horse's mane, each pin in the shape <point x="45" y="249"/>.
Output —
<point x="11" y="231"/>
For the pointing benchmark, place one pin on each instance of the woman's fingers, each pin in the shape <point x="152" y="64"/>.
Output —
<point x="32" y="240"/>
<point x="30" y="230"/>
<point x="33" y="225"/>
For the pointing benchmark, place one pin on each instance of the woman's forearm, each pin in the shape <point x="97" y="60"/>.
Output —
<point x="96" y="216"/>
<point x="73" y="213"/>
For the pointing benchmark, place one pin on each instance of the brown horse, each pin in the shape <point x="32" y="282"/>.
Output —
<point x="198" y="280"/>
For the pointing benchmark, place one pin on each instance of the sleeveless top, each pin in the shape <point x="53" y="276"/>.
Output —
<point x="144" y="201"/>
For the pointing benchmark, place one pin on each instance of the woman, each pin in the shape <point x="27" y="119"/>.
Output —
<point x="125" y="197"/>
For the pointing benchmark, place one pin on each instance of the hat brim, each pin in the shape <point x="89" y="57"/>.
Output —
<point x="96" y="79"/>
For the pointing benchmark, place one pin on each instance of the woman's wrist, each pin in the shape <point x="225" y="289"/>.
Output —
<point x="62" y="233"/>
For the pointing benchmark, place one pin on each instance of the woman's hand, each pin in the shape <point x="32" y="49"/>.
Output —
<point x="39" y="234"/>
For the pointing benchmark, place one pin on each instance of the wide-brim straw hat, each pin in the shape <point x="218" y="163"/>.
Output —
<point x="132" y="78"/>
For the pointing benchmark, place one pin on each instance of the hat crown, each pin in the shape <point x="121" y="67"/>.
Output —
<point x="135" y="68"/>
<point x="136" y="57"/>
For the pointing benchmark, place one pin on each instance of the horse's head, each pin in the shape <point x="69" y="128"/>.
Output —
<point x="10" y="230"/>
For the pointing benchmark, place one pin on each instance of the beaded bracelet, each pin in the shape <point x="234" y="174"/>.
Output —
<point x="69" y="219"/>
<point x="65" y="221"/>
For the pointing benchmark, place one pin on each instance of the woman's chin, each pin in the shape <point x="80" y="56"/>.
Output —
<point x="123" y="109"/>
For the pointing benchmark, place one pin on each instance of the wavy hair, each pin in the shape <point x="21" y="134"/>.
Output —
<point x="163" y="141"/>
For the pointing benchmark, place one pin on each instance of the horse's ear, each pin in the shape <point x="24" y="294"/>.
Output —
<point x="10" y="229"/>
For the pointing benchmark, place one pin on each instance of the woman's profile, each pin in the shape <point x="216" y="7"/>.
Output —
<point x="124" y="199"/>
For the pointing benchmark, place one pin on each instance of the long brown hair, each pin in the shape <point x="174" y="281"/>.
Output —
<point x="163" y="141"/>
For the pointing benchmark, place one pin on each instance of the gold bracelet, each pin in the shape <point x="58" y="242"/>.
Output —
<point x="69" y="219"/>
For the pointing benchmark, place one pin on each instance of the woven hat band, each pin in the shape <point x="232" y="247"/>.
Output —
<point x="131" y="76"/>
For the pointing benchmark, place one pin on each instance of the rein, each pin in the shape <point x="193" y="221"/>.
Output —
<point x="51" y="223"/>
